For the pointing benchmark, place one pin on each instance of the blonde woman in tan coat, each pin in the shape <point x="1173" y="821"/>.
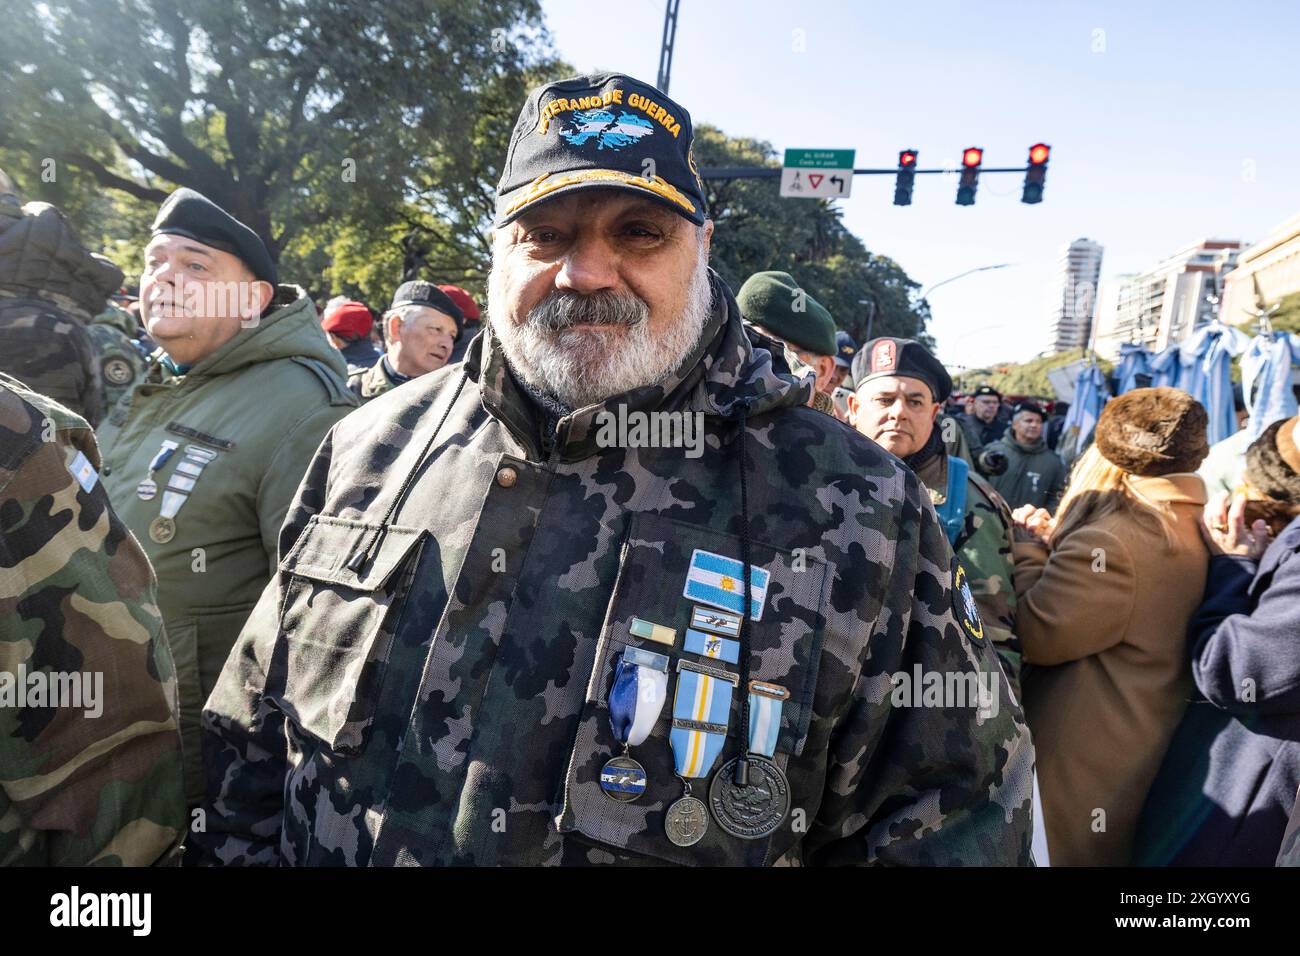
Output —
<point x="1105" y="592"/>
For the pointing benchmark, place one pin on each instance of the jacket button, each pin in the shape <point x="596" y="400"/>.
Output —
<point x="507" y="477"/>
<point x="108" y="469"/>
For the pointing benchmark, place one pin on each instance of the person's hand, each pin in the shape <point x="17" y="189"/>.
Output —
<point x="1223" y="526"/>
<point x="1032" y="523"/>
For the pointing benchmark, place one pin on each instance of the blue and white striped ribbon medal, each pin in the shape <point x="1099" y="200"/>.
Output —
<point x="635" y="701"/>
<point x="755" y="810"/>
<point x="701" y="715"/>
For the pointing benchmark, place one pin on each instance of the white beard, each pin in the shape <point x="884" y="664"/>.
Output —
<point x="581" y="367"/>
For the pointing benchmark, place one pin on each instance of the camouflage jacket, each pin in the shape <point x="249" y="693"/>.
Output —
<point x="984" y="547"/>
<point x="443" y="697"/>
<point x="371" y="382"/>
<point x="50" y="286"/>
<point x="77" y="609"/>
<point x="121" y="362"/>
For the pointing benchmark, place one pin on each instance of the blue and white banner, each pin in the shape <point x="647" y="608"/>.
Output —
<point x="720" y="581"/>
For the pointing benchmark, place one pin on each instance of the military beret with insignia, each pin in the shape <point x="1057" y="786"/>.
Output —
<point x="417" y="292"/>
<point x="192" y="215"/>
<point x="987" y="390"/>
<point x="603" y="131"/>
<point x="1033" y="407"/>
<point x="902" y="358"/>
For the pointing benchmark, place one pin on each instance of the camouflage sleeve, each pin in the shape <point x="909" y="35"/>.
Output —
<point x="90" y="769"/>
<point x="985" y="550"/>
<point x="245" y="757"/>
<point x="941" y="784"/>
<point x="286" y="470"/>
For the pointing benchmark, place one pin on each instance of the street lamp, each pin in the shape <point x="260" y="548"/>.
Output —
<point x="962" y="275"/>
<point x="871" y="316"/>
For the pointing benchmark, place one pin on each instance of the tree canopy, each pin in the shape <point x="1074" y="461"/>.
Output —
<point x="360" y="163"/>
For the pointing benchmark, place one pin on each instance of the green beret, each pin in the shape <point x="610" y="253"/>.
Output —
<point x="770" y="299"/>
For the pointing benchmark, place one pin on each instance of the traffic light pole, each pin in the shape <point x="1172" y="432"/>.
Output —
<point x="774" y="172"/>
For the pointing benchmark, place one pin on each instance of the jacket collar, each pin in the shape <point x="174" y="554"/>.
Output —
<point x="1179" y="488"/>
<point x="724" y="376"/>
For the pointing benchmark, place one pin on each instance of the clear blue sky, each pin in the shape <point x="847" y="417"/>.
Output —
<point x="1185" y="125"/>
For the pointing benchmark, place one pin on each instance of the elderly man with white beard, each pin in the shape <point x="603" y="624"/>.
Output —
<point x="506" y="631"/>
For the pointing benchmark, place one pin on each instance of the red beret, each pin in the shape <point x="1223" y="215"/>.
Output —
<point x="463" y="301"/>
<point x="348" y="319"/>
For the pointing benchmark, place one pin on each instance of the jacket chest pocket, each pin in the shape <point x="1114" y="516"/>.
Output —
<point x="655" y="609"/>
<point x="338" y="625"/>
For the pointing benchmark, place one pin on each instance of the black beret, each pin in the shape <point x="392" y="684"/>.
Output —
<point x="987" y="390"/>
<point x="418" y="292"/>
<point x="195" y="216"/>
<point x="904" y="358"/>
<point x="1030" y="407"/>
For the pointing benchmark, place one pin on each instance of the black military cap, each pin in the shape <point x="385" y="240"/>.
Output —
<point x="987" y="390"/>
<point x="904" y="358"/>
<point x="417" y="292"/>
<point x="1030" y="407"/>
<point x="195" y="216"/>
<point x="603" y="131"/>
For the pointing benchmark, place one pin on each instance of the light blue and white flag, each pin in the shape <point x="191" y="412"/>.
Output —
<point x="720" y="581"/>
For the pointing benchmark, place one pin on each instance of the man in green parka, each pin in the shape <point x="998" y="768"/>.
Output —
<point x="202" y="458"/>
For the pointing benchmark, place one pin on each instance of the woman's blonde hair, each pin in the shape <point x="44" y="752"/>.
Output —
<point x="1097" y="488"/>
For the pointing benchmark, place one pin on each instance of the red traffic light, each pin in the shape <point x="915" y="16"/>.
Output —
<point x="972" y="156"/>
<point x="907" y="158"/>
<point x="1038" y="154"/>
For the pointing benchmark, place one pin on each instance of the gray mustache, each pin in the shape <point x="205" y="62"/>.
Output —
<point x="563" y="310"/>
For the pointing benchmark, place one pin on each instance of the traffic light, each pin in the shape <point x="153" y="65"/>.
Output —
<point x="1036" y="174"/>
<point x="971" y="158"/>
<point x="906" y="176"/>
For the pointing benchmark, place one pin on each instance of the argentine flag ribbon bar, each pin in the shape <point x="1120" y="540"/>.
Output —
<point x="711" y="645"/>
<point x="719" y="581"/>
<point x="701" y="715"/>
<point x="765" y="704"/>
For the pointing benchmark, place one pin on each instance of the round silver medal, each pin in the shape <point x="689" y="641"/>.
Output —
<point x="754" y="811"/>
<point x="686" y="822"/>
<point x="622" y="779"/>
<point x="146" y="490"/>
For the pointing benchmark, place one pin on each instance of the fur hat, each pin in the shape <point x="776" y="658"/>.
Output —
<point x="1153" y="431"/>
<point x="1273" y="461"/>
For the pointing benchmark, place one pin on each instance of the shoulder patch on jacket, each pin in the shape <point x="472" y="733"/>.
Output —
<point x="963" y="604"/>
<point x="335" y="387"/>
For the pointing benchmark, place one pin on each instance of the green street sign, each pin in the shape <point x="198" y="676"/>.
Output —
<point x="818" y="159"/>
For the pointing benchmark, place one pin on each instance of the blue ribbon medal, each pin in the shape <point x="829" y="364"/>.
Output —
<point x="635" y="701"/>
<point x="701" y="715"/>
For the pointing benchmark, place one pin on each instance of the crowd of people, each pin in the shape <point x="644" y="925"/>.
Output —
<point x="445" y="627"/>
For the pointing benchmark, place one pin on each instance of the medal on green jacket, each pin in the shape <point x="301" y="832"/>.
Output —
<point x="148" y="488"/>
<point x="163" y="528"/>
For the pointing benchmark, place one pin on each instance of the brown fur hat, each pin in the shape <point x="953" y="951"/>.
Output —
<point x="1153" y="431"/>
<point x="1273" y="462"/>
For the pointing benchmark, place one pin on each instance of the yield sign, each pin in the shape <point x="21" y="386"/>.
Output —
<point x="816" y="179"/>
